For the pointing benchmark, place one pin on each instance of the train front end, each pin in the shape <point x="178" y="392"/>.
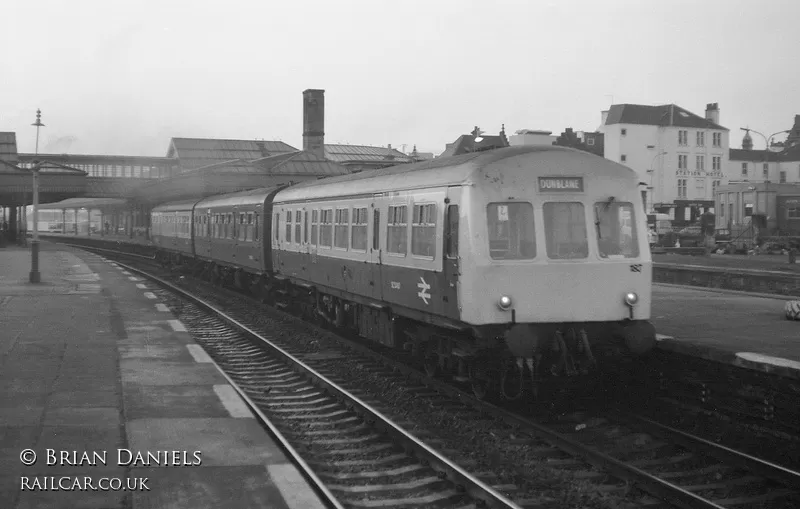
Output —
<point x="560" y="266"/>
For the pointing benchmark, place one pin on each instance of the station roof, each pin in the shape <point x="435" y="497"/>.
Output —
<point x="77" y="203"/>
<point x="239" y="175"/>
<point x="56" y="182"/>
<point x="199" y="152"/>
<point x="363" y="153"/>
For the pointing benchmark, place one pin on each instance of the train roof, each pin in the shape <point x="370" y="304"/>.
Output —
<point x="249" y="197"/>
<point x="178" y="206"/>
<point x="447" y="171"/>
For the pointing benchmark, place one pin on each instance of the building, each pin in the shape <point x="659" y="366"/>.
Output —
<point x="531" y="137"/>
<point x="476" y="142"/>
<point x="594" y="142"/>
<point x="780" y="164"/>
<point x="680" y="157"/>
<point x="764" y="186"/>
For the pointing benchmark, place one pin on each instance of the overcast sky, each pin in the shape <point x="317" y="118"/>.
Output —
<point x="116" y="77"/>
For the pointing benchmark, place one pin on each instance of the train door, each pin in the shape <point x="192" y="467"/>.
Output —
<point x="451" y="258"/>
<point x="375" y="249"/>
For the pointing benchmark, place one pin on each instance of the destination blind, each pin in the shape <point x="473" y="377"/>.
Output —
<point x="561" y="184"/>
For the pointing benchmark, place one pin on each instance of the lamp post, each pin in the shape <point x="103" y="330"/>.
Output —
<point x="767" y="150"/>
<point x="651" y="171"/>
<point x="35" y="276"/>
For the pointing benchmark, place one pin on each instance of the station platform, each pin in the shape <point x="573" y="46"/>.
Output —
<point x="96" y="236"/>
<point x="726" y="326"/>
<point x="95" y="373"/>
<point x="776" y="263"/>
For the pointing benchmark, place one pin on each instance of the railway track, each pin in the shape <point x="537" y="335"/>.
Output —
<point x="361" y="458"/>
<point x="664" y="463"/>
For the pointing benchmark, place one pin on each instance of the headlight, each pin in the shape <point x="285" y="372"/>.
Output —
<point x="631" y="298"/>
<point x="504" y="303"/>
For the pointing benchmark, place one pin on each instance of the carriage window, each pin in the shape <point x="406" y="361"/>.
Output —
<point x="376" y="229"/>
<point x="340" y="239"/>
<point x="288" y="226"/>
<point x="242" y="227"/>
<point x="565" y="230"/>
<point x="314" y="227"/>
<point x="616" y="231"/>
<point x="451" y="236"/>
<point x="297" y="224"/>
<point x="325" y="232"/>
<point x="511" y="232"/>
<point x="397" y="230"/>
<point x="359" y="240"/>
<point x="255" y="226"/>
<point x="423" y="230"/>
<point x="276" y="227"/>
<point x="305" y="227"/>
<point x="232" y="230"/>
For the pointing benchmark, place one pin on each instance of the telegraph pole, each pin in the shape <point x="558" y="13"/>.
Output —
<point x="35" y="276"/>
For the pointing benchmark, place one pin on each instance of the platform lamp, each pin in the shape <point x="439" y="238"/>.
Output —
<point x="35" y="276"/>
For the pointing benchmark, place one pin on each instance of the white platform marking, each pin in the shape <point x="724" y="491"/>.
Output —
<point x="142" y="286"/>
<point x="126" y="272"/>
<point x="176" y="325"/>
<point x="766" y="359"/>
<point x="662" y="337"/>
<point x="162" y="307"/>
<point x="232" y="402"/>
<point x="134" y="278"/>
<point x="198" y="353"/>
<point x="150" y="295"/>
<point x="295" y="490"/>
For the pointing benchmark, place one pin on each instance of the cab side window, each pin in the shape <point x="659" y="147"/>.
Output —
<point x="451" y="232"/>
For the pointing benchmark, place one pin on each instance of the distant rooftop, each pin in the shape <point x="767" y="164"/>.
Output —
<point x="533" y="131"/>
<point x="664" y="115"/>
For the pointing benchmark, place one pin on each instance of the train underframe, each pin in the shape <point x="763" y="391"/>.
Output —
<point x="497" y="361"/>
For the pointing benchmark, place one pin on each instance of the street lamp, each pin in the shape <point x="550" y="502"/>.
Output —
<point x="767" y="150"/>
<point x="35" y="276"/>
<point x="651" y="171"/>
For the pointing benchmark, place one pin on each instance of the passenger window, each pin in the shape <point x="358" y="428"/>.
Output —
<point x="232" y="222"/>
<point x="359" y="235"/>
<point x="511" y="231"/>
<point x="565" y="230"/>
<point x="451" y="235"/>
<point x="397" y="230"/>
<point x="325" y="230"/>
<point x="376" y="230"/>
<point x="616" y="233"/>
<point x="242" y="227"/>
<point x="297" y="224"/>
<point x="255" y="226"/>
<point x="314" y="227"/>
<point x="423" y="230"/>
<point x="276" y="227"/>
<point x="342" y="225"/>
<point x="288" y="226"/>
<point x="305" y="227"/>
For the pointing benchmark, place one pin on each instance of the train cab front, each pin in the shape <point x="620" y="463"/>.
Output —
<point x="576" y="346"/>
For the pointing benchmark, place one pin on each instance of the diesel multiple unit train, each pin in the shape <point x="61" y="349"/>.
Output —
<point x="494" y="268"/>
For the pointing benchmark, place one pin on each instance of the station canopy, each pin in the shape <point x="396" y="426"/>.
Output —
<point x="56" y="182"/>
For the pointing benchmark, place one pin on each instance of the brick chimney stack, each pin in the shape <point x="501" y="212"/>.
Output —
<point x="712" y="112"/>
<point x="314" y="121"/>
